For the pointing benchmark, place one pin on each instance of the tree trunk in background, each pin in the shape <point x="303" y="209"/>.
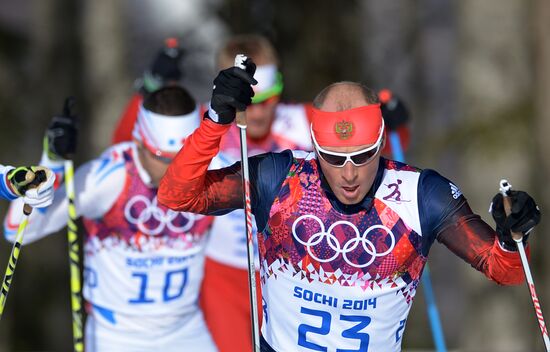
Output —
<point x="107" y="81"/>
<point x="541" y="15"/>
<point x="495" y="81"/>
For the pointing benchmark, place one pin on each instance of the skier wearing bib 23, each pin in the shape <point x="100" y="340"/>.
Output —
<point x="343" y="233"/>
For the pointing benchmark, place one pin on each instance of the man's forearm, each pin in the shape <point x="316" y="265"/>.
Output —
<point x="186" y="186"/>
<point x="475" y="241"/>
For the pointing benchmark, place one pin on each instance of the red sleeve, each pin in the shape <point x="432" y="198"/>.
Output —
<point x="125" y="126"/>
<point x="475" y="241"/>
<point x="188" y="186"/>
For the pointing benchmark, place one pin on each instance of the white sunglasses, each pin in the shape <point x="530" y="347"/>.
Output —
<point x="358" y="158"/>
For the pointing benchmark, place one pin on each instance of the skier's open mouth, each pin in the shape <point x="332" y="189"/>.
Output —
<point x="350" y="190"/>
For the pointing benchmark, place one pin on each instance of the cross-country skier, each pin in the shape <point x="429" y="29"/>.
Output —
<point x="343" y="233"/>
<point x="143" y="263"/>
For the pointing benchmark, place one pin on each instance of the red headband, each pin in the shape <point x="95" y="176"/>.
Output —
<point x="353" y="127"/>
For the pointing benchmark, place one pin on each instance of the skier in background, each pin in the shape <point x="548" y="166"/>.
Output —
<point x="143" y="263"/>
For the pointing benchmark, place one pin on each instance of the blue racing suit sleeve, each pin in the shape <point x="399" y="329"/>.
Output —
<point x="438" y="200"/>
<point x="5" y="191"/>
<point x="445" y="216"/>
<point x="267" y="173"/>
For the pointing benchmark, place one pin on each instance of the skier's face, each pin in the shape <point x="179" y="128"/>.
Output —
<point x="350" y="183"/>
<point x="259" y="118"/>
<point x="155" y="166"/>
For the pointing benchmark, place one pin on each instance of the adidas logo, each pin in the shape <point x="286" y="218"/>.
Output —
<point x="455" y="191"/>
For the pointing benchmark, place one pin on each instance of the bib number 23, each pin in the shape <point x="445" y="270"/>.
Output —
<point x="326" y="318"/>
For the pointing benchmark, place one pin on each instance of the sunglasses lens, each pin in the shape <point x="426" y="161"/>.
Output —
<point x="363" y="158"/>
<point x="357" y="160"/>
<point x="335" y="160"/>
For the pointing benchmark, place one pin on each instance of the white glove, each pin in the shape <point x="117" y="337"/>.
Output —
<point x="34" y="184"/>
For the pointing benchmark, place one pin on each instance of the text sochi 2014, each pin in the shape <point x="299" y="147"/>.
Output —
<point x="353" y="304"/>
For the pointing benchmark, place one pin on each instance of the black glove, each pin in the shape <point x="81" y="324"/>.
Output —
<point x="394" y="111"/>
<point x="61" y="135"/>
<point x="525" y="214"/>
<point x="232" y="92"/>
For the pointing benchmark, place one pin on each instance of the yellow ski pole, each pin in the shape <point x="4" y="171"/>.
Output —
<point x="74" y="261"/>
<point x="10" y="270"/>
<point x="34" y="180"/>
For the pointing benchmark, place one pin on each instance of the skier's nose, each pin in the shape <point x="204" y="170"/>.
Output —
<point x="349" y="172"/>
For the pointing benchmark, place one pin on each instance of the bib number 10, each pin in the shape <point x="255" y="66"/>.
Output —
<point x="351" y="333"/>
<point x="174" y="284"/>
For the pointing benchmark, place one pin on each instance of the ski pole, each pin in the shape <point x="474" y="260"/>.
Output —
<point x="505" y="188"/>
<point x="433" y="313"/>
<point x="34" y="181"/>
<point x="74" y="261"/>
<point x="10" y="270"/>
<point x="241" y="123"/>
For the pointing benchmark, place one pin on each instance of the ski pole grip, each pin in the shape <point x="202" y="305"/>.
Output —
<point x="27" y="209"/>
<point x="241" y="119"/>
<point x="241" y="115"/>
<point x="505" y="188"/>
<point x="38" y="177"/>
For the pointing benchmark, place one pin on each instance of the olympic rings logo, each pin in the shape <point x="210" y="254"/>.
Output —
<point x="349" y="246"/>
<point x="147" y="211"/>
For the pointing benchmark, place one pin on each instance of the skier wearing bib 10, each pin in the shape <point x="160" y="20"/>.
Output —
<point x="343" y="233"/>
<point x="143" y="263"/>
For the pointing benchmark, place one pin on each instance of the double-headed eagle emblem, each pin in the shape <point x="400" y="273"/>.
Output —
<point x="344" y="129"/>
